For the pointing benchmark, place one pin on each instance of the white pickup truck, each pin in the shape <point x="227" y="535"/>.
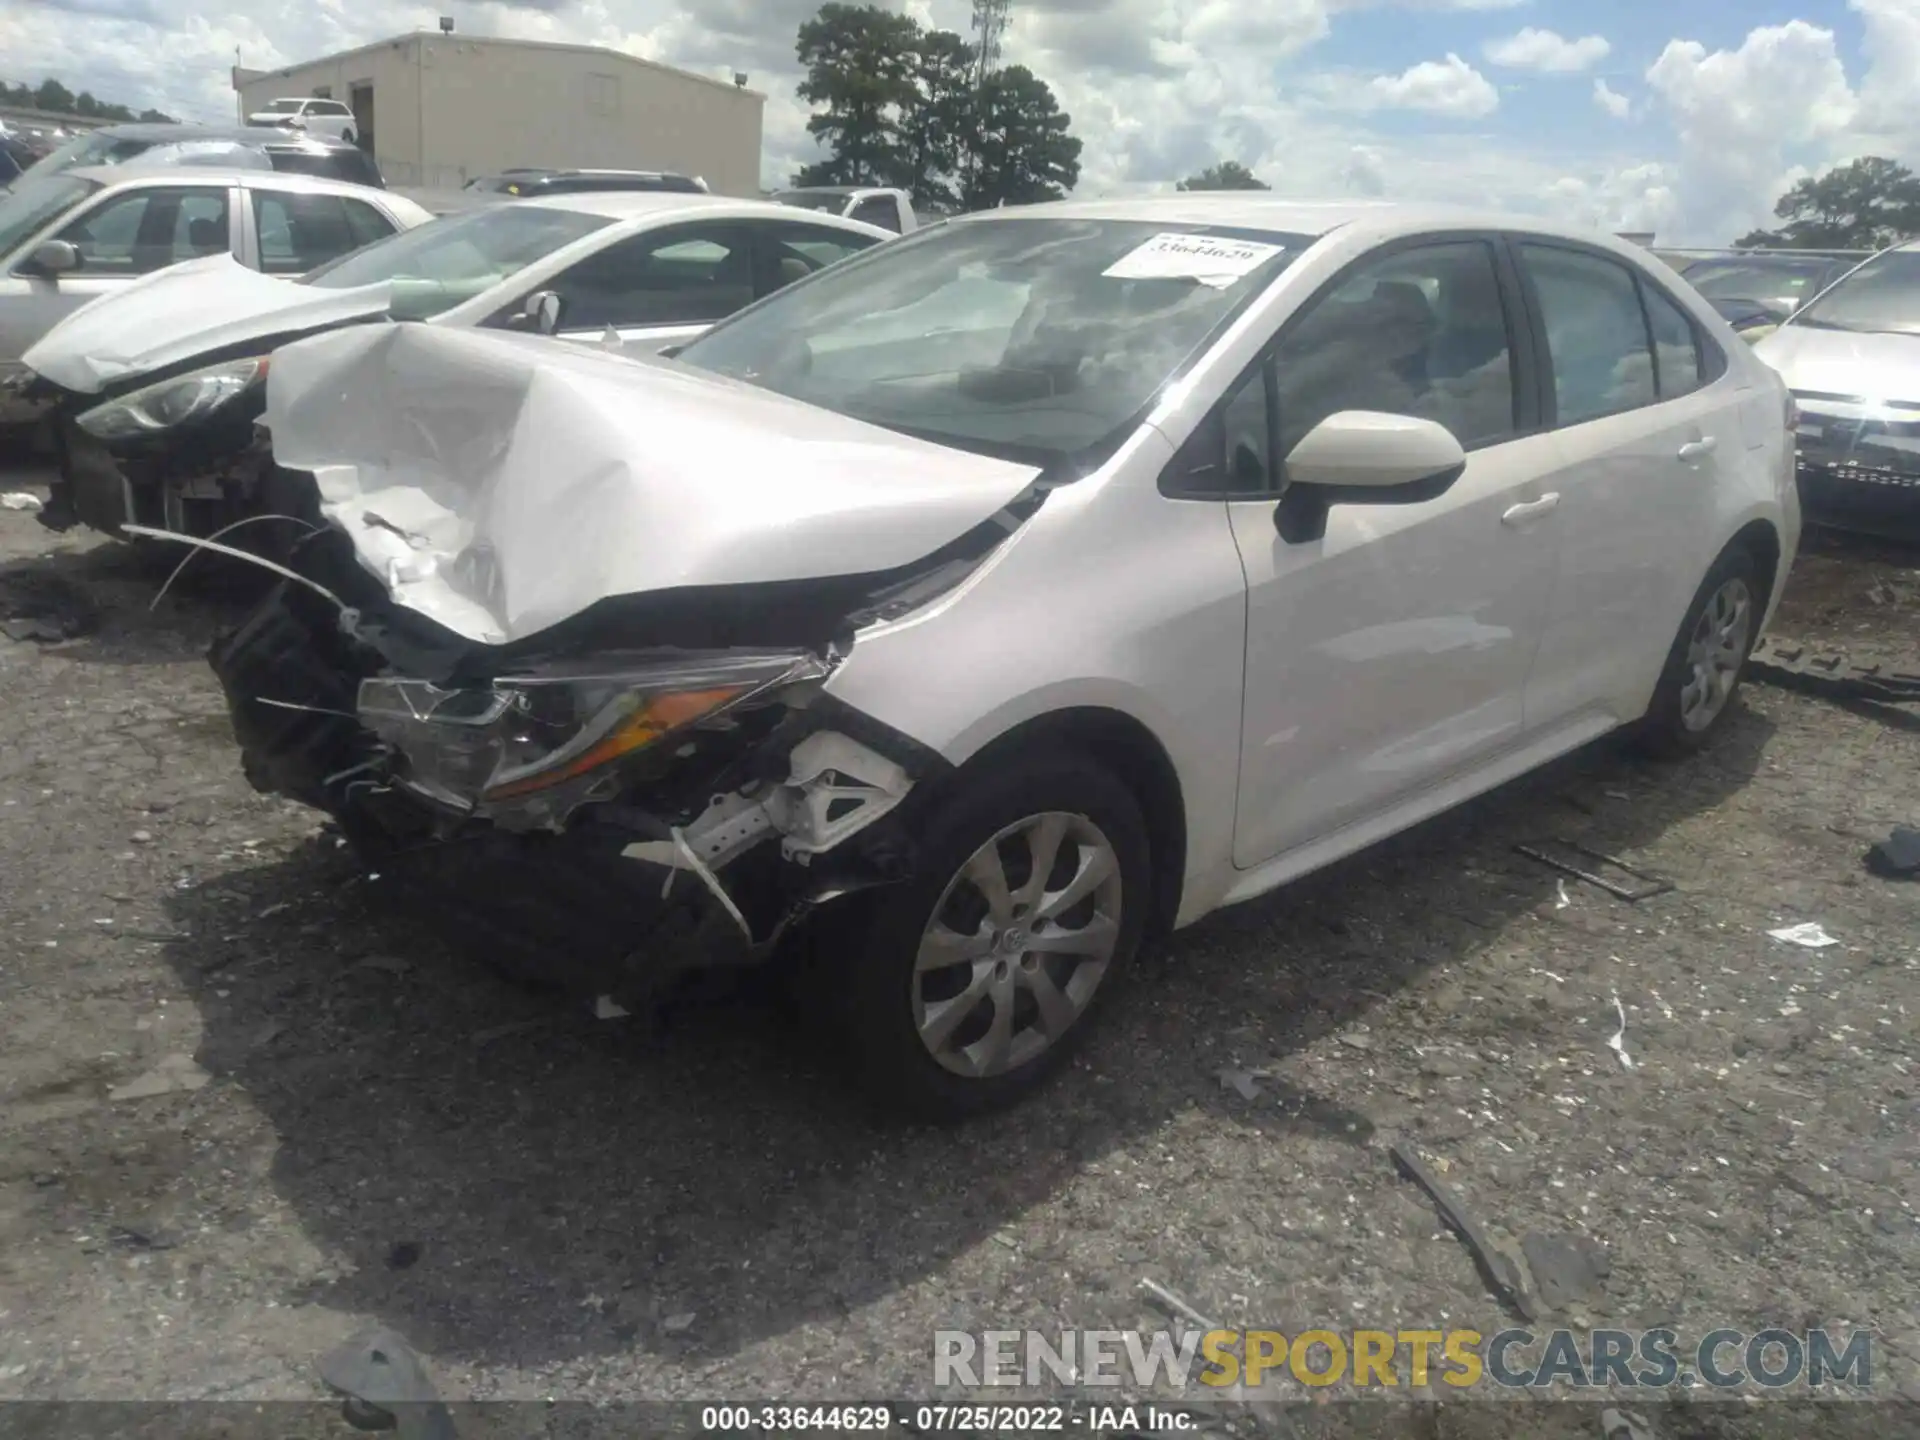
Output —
<point x="869" y="204"/>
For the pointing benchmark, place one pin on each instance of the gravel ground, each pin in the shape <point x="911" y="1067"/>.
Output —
<point x="251" y="1103"/>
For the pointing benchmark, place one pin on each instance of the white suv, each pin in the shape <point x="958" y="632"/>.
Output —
<point x="317" y="117"/>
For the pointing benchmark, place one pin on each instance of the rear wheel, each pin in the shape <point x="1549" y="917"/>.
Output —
<point x="969" y="983"/>
<point x="1708" y="659"/>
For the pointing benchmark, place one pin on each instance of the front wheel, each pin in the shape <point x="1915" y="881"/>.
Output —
<point x="1708" y="659"/>
<point x="970" y="982"/>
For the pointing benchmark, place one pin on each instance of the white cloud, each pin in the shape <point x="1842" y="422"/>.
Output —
<point x="1449" y="87"/>
<point x="1161" y="88"/>
<point x="1546" y="51"/>
<point x="1741" y="118"/>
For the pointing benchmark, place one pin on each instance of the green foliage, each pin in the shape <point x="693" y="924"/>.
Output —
<point x="1866" y="205"/>
<point x="51" y="95"/>
<point x="1227" y="175"/>
<point x="895" y="104"/>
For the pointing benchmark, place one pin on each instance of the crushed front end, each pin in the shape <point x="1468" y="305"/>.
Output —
<point x="617" y="814"/>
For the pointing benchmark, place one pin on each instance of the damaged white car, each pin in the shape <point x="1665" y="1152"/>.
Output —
<point x="1005" y="595"/>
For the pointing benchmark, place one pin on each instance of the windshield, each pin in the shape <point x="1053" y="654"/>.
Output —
<point x="1790" y="280"/>
<point x="1035" y="339"/>
<point x="33" y="203"/>
<point x="453" y="259"/>
<point x="1882" y="296"/>
<point x="813" y="200"/>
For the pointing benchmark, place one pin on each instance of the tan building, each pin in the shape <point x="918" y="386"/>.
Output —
<point x="439" y="109"/>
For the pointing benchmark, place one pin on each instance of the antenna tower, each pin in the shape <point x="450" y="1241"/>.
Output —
<point x="989" y="25"/>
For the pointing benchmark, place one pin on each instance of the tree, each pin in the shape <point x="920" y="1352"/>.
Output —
<point x="896" y="105"/>
<point x="861" y="62"/>
<point x="1227" y="175"/>
<point x="52" y="95"/>
<point x="1022" y="152"/>
<point x="937" y="127"/>
<point x="1866" y="205"/>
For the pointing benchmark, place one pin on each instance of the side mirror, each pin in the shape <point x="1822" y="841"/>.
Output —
<point x="54" y="257"/>
<point x="1364" y="457"/>
<point x="543" y="310"/>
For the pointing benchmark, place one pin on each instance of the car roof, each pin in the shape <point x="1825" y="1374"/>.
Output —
<point x="1378" y="219"/>
<point x="132" y="172"/>
<point x="159" y="134"/>
<point x="640" y="204"/>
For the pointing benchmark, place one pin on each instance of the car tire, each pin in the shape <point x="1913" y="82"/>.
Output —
<point x="1708" y="659"/>
<point x="994" y="989"/>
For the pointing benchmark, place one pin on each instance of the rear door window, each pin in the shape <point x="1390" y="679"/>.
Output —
<point x="682" y="275"/>
<point x="301" y="232"/>
<point x="1597" y="334"/>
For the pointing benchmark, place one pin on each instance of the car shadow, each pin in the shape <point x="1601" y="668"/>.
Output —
<point x="104" y="605"/>
<point x="506" y="1180"/>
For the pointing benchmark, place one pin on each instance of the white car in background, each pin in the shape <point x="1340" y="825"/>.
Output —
<point x="330" y="118"/>
<point x="1851" y="357"/>
<point x="76" y="236"/>
<point x="1021" y="588"/>
<point x="155" y="393"/>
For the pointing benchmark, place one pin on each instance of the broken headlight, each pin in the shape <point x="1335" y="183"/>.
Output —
<point x="167" y="403"/>
<point x="551" y="739"/>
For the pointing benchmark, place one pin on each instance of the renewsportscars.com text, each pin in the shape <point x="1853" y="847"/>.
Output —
<point x="1510" y="1359"/>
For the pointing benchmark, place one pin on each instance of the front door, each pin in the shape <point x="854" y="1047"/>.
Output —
<point x="1391" y="652"/>
<point x="120" y="238"/>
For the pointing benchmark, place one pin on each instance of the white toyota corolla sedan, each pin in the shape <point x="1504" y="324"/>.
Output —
<point x="976" y="608"/>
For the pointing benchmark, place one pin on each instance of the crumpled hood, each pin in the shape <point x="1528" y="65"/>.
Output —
<point x="1842" y="362"/>
<point x="185" y="310"/>
<point x="500" y="484"/>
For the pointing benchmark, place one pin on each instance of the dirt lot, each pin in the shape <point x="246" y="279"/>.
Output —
<point x="251" y="1103"/>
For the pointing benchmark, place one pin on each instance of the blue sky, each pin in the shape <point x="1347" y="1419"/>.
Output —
<point x="1710" y="108"/>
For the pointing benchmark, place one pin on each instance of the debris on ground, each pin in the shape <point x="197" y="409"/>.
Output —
<point x="386" y="1387"/>
<point x="1570" y="857"/>
<point x="1496" y="1266"/>
<point x="404" y="1256"/>
<point x="1618" y="1041"/>
<point x="1245" y="1083"/>
<point x="133" y="1239"/>
<point x="1797" y="667"/>
<point x="1810" y="934"/>
<point x="38" y="606"/>
<point x="1564" y="1269"/>
<point x="1898" y="856"/>
<point x="173" y="1073"/>
<point x="20" y="500"/>
<point x="679" y="1324"/>
<point x="1175" y="1305"/>
<point x="1625" y="1425"/>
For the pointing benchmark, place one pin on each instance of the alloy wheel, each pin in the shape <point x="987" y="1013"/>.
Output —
<point x="1715" y="652"/>
<point x="1017" y="945"/>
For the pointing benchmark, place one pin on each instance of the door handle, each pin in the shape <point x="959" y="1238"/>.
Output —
<point x="1531" y="510"/>
<point x="1694" y="449"/>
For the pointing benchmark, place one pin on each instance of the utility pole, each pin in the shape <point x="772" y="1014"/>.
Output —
<point x="989" y="25"/>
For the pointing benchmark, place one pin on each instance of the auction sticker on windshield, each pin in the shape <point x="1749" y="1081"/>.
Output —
<point x="1210" y="259"/>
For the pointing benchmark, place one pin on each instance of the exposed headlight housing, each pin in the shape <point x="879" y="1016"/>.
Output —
<point x="530" y="749"/>
<point x="165" y="404"/>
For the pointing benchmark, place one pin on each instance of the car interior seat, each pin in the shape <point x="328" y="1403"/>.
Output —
<point x="206" y="236"/>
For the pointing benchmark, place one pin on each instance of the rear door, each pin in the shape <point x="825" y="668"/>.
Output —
<point x="1645" y="415"/>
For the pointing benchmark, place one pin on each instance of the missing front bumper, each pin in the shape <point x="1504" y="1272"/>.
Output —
<point x="627" y="897"/>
